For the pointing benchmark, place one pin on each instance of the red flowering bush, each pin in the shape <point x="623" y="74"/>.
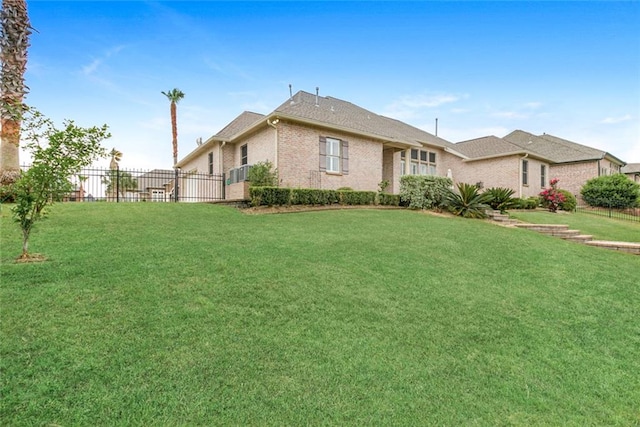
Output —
<point x="552" y="198"/>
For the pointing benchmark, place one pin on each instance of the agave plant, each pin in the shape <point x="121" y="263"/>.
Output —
<point x="467" y="201"/>
<point x="500" y="198"/>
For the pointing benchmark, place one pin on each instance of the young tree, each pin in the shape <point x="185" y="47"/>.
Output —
<point x="58" y="155"/>
<point x="14" y="41"/>
<point x="174" y="95"/>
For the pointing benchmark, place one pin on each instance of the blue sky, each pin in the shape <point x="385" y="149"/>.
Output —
<point x="569" y="69"/>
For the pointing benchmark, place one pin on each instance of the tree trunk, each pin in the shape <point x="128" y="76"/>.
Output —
<point x="16" y="30"/>
<point x="25" y="243"/>
<point x="174" y="132"/>
<point x="9" y="151"/>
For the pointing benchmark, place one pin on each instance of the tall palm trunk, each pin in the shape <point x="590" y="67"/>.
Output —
<point x="174" y="131"/>
<point x="174" y="95"/>
<point x="14" y="41"/>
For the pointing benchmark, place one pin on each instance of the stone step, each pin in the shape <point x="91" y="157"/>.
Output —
<point x="630" y="247"/>
<point x="544" y="227"/>
<point x="563" y="234"/>
<point x="580" y="238"/>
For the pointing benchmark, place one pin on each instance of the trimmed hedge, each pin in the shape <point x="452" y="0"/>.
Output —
<point x="276" y="196"/>
<point x="386" y="199"/>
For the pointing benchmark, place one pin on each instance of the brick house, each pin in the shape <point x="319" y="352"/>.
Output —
<point x="321" y="142"/>
<point x="495" y="162"/>
<point x="632" y="170"/>
<point x="328" y="143"/>
<point x="572" y="163"/>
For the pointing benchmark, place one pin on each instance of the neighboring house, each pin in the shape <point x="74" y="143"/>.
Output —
<point x="321" y="142"/>
<point x="632" y="170"/>
<point x="496" y="162"/>
<point x="526" y="162"/>
<point x="573" y="164"/>
<point x="156" y="185"/>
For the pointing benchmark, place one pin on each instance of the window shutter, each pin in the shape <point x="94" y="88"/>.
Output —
<point x="323" y="154"/>
<point x="345" y="157"/>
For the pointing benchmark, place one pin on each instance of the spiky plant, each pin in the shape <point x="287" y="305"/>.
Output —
<point x="467" y="201"/>
<point x="14" y="42"/>
<point x="174" y="95"/>
<point x="501" y="198"/>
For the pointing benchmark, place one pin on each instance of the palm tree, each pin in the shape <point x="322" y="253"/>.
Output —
<point x="116" y="156"/>
<point x="174" y="95"/>
<point x="14" y="40"/>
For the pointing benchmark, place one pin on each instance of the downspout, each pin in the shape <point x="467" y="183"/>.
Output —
<point x="275" y="141"/>
<point x="220" y="160"/>
<point x="520" y="172"/>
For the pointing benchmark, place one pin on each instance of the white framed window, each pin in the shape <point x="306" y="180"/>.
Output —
<point x="333" y="155"/>
<point x="422" y="162"/>
<point x="543" y="176"/>
<point x="414" y="168"/>
<point x="525" y="172"/>
<point x="210" y="161"/>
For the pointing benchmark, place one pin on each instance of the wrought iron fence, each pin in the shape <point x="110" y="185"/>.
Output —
<point x="630" y="214"/>
<point x="136" y="185"/>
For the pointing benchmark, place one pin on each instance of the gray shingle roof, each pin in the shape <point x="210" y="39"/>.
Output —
<point x="238" y="124"/>
<point x="486" y="147"/>
<point x="156" y="178"/>
<point x="631" y="168"/>
<point x="556" y="149"/>
<point x="336" y="112"/>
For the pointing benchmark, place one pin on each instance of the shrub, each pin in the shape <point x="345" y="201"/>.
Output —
<point x="269" y="196"/>
<point x="386" y="199"/>
<point x="423" y="191"/>
<point x="500" y="198"/>
<point x="569" y="203"/>
<point x="345" y="189"/>
<point x="616" y="191"/>
<point x="357" y="197"/>
<point x="551" y="197"/>
<point x="262" y="174"/>
<point x="275" y="196"/>
<point x="528" y="203"/>
<point x="467" y="201"/>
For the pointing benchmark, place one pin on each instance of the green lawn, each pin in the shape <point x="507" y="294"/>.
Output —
<point x="175" y="314"/>
<point x="601" y="228"/>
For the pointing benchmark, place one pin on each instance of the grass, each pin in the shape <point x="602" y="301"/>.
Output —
<point x="165" y="314"/>
<point x="601" y="228"/>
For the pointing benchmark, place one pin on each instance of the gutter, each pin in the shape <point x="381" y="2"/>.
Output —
<point x="275" y="141"/>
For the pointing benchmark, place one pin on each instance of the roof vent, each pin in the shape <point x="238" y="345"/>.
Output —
<point x="291" y="95"/>
<point x="332" y="108"/>
<point x="317" y="92"/>
<point x="199" y="141"/>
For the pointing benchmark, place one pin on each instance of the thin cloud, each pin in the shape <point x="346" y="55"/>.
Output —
<point x="510" y="115"/>
<point x="92" y="67"/>
<point x="614" y="120"/>
<point x="411" y="106"/>
<point x="533" y="105"/>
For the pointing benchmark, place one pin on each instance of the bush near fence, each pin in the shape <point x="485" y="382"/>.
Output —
<point x="277" y="196"/>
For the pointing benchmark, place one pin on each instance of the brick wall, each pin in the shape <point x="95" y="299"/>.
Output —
<point x="573" y="176"/>
<point x="299" y="159"/>
<point x="502" y="172"/>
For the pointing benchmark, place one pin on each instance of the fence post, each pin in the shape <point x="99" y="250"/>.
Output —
<point x="224" y="186"/>
<point x="175" y="186"/>
<point x="118" y="184"/>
